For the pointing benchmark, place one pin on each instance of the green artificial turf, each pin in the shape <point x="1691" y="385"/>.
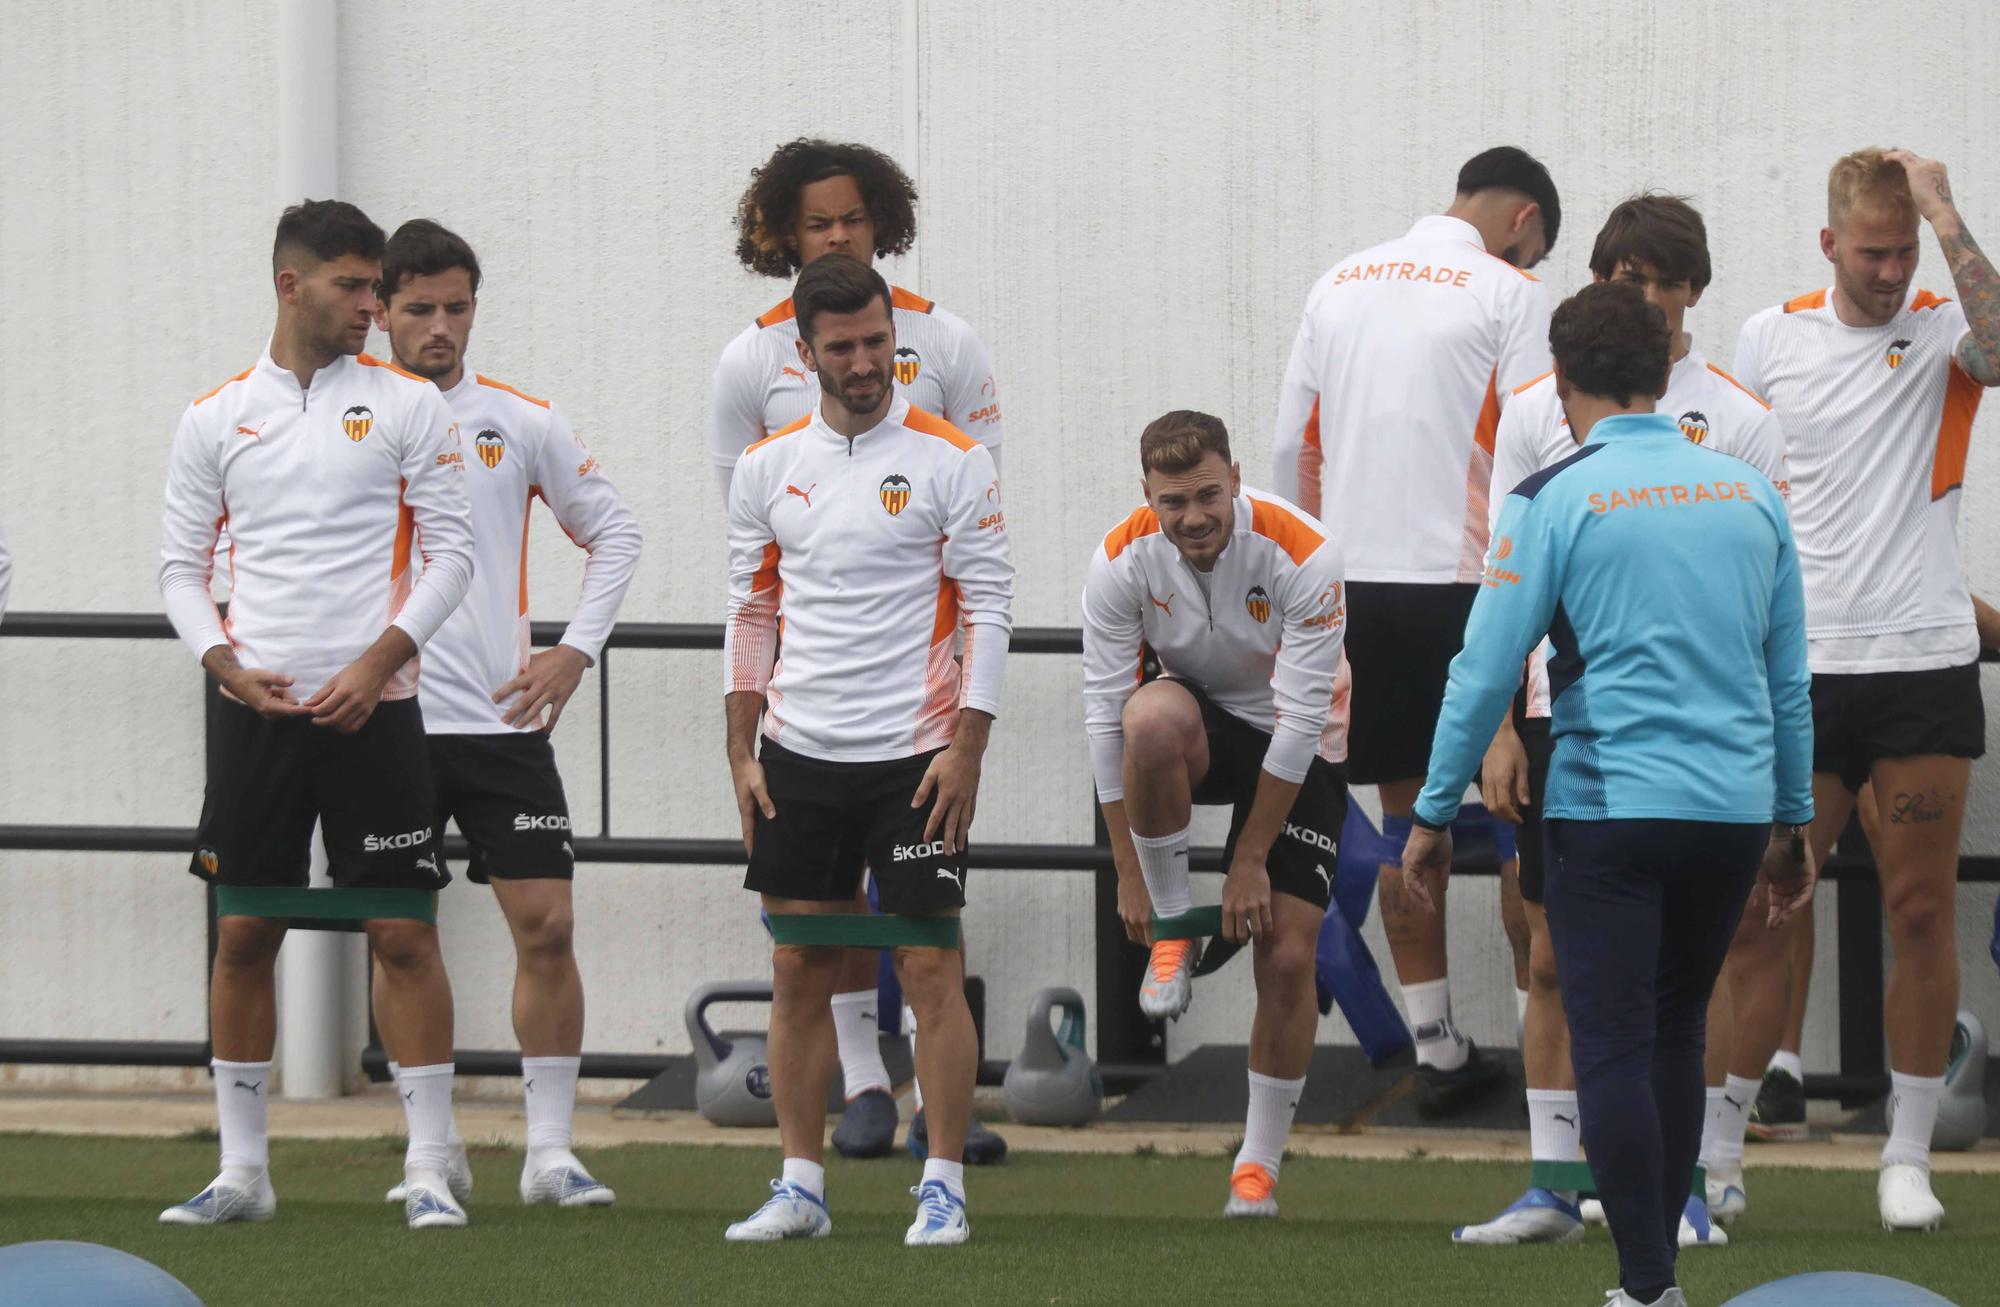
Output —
<point x="1135" y="1228"/>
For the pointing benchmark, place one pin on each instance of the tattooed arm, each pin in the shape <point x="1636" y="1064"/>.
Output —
<point x="1971" y="271"/>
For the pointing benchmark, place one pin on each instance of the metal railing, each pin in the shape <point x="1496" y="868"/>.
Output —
<point x="1129" y="1045"/>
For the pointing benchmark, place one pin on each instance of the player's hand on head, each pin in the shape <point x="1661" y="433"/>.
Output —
<point x="552" y="676"/>
<point x="1426" y="864"/>
<point x="1246" y="900"/>
<point x="752" y="796"/>
<point x="954" y="777"/>
<point x="1930" y="186"/>
<point x="1788" y="876"/>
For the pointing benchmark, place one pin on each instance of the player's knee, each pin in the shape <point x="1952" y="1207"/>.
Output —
<point x="1921" y="916"/>
<point x="926" y="973"/>
<point x="1156" y="729"/>
<point x="246" y="943"/>
<point x="403" y="945"/>
<point x="797" y="968"/>
<point x="547" y="931"/>
<point x="1542" y="968"/>
<point x="1285" y="965"/>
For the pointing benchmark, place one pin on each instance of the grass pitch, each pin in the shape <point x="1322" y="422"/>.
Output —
<point x="1047" y="1228"/>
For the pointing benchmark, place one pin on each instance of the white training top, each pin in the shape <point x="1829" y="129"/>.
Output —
<point x="1877" y="423"/>
<point x="1261" y="633"/>
<point x="761" y="386"/>
<point x="1405" y="356"/>
<point x="519" y="448"/>
<point x="1712" y="407"/>
<point x="323" y="506"/>
<point x="875" y="547"/>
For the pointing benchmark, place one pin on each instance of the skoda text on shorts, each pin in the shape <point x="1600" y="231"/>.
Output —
<point x="350" y="462"/>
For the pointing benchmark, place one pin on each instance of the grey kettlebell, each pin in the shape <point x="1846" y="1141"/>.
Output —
<point x="732" y="1078"/>
<point x="1053" y="1081"/>
<point x="1961" y="1120"/>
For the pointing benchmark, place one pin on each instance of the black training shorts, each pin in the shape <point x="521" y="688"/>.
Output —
<point x="269" y="779"/>
<point x="834" y="818"/>
<point x="1859" y="717"/>
<point x="1302" y="860"/>
<point x="1401" y="639"/>
<point x="504" y="792"/>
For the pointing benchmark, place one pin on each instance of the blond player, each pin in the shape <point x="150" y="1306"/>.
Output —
<point x="812" y="198"/>
<point x="1405" y="358"/>
<point x="489" y="704"/>
<point x="1659" y="244"/>
<point x="1876" y="381"/>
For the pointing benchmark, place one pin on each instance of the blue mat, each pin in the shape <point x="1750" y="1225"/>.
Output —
<point x="85" y="1275"/>
<point x="1838" y="1289"/>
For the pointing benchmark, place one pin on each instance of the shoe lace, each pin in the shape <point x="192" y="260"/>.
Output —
<point x="1251" y="1182"/>
<point x="934" y="1202"/>
<point x="1168" y="955"/>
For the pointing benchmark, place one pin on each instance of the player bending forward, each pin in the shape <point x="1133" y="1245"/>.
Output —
<point x="1239" y="595"/>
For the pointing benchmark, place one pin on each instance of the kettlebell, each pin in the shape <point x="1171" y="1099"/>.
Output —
<point x="1053" y="1081"/>
<point x="732" y="1078"/>
<point x="1961" y="1119"/>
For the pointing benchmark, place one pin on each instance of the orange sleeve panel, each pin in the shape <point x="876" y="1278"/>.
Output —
<point x="933" y="425"/>
<point x="1489" y="415"/>
<point x="1954" y="438"/>
<point x="501" y="385"/>
<point x="1143" y="522"/>
<point x="1811" y="300"/>
<point x="1287" y="529"/>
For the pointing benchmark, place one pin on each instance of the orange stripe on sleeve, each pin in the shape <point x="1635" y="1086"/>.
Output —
<point x="1739" y="385"/>
<point x="1926" y="300"/>
<point x="370" y="361"/>
<point x="1954" y="438"/>
<point x="501" y="385"/>
<point x="1489" y="414"/>
<point x="933" y="425"/>
<point x="783" y="431"/>
<point x="909" y="299"/>
<point x="232" y="381"/>
<point x="1312" y="461"/>
<point x="1143" y="522"/>
<point x="766" y="577"/>
<point x="527" y="516"/>
<point x="782" y="311"/>
<point x="1533" y="382"/>
<point x="1290" y="531"/>
<point x="1810" y="300"/>
<point x="406" y="526"/>
<point x="945" y="625"/>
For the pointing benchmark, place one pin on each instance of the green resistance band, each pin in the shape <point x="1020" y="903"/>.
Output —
<point x="1199" y="923"/>
<point x="326" y="904"/>
<point x="858" y="930"/>
<point x="1576" y="1175"/>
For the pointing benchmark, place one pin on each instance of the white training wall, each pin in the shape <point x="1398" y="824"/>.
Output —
<point x="1129" y="205"/>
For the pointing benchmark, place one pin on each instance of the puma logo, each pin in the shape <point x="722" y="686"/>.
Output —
<point x="1325" y="876"/>
<point x="252" y="1088"/>
<point x="409" y="1095"/>
<point x="946" y="873"/>
<point x="1164" y="605"/>
<point x="530" y="1085"/>
<point x="256" y="432"/>
<point x="1732" y="1102"/>
<point x="793" y="372"/>
<point x="1569" y="1120"/>
<point x="806" y="494"/>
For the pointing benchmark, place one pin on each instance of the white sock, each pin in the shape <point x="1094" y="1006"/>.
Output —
<point x="1521" y="1007"/>
<point x="1728" y="1117"/>
<point x="854" y="1028"/>
<point x="809" y="1176"/>
<point x="951" y="1173"/>
<point x="1269" y="1120"/>
<point x="548" y="1086"/>
<point x="1788" y="1062"/>
<point x="1438" y="1041"/>
<point x="1163" y="861"/>
<point x="1554" y="1133"/>
<point x="242" y="1095"/>
<point x="916" y="1082"/>
<point x="427" y="1107"/>
<point x="452" y="1139"/>
<point x="1913" y="1107"/>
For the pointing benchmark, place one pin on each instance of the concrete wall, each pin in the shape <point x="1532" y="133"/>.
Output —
<point x="1130" y="214"/>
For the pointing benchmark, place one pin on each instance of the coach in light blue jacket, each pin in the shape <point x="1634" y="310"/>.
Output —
<point x="1666" y="577"/>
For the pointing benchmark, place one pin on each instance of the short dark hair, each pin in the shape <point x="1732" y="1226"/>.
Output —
<point x="1609" y="341"/>
<point x="838" y="283"/>
<point x="1511" y="168"/>
<point x="423" y="247"/>
<point x="767" y="217"/>
<point x="1178" y="441"/>
<point x="325" y="229"/>
<point x="1656" y="231"/>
